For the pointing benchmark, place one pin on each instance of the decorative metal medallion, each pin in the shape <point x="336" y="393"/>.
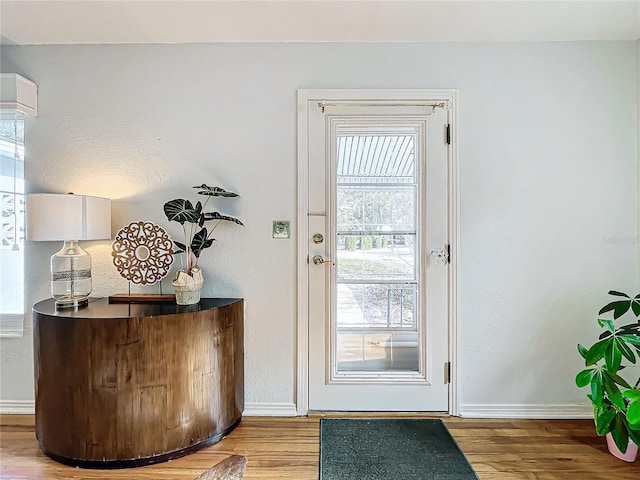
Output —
<point x="142" y="252"/>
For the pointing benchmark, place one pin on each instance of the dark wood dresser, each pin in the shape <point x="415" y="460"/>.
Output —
<point x="123" y="385"/>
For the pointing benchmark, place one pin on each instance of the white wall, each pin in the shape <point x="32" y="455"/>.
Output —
<point x="548" y="169"/>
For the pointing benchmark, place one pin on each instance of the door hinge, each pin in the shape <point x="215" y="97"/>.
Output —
<point x="448" y="253"/>
<point x="441" y="255"/>
<point x="447" y="372"/>
<point x="448" y="134"/>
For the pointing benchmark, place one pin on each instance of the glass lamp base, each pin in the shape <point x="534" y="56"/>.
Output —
<point x="70" y="276"/>
<point x="71" y="302"/>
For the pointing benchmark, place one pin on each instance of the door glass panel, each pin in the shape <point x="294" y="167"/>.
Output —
<point x="376" y="257"/>
<point x="376" y="208"/>
<point x="377" y="321"/>
<point x="377" y="329"/>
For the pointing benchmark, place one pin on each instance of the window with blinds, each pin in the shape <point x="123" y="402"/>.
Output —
<point x="12" y="237"/>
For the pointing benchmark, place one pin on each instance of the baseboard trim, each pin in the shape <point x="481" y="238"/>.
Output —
<point x="28" y="407"/>
<point x="270" y="410"/>
<point x="542" y="411"/>
<point x="17" y="407"/>
<point x="545" y="411"/>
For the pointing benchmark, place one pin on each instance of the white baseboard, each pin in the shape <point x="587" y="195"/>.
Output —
<point x="533" y="411"/>
<point x="17" y="407"/>
<point x="27" y="407"/>
<point x="270" y="410"/>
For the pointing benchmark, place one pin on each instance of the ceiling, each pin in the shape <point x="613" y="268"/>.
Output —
<point x="37" y="22"/>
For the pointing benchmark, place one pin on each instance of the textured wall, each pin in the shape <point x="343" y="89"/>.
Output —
<point x="548" y="169"/>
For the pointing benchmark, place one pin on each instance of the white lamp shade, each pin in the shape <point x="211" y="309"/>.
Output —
<point x="53" y="217"/>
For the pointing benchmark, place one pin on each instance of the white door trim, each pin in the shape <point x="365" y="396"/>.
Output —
<point x="337" y="95"/>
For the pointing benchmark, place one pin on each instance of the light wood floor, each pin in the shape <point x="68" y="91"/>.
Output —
<point x="288" y="448"/>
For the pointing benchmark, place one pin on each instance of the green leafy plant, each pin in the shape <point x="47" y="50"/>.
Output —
<point x="616" y="401"/>
<point x="193" y="218"/>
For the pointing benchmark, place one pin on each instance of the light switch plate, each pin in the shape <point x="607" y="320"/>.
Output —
<point x="281" y="229"/>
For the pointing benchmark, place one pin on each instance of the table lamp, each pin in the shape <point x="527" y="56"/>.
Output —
<point x="70" y="218"/>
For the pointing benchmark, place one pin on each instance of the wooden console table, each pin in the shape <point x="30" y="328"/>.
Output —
<point x="123" y="385"/>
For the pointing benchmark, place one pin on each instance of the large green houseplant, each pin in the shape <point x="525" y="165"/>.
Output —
<point x="612" y="373"/>
<point x="197" y="237"/>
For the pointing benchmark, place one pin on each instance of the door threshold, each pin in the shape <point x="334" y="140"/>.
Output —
<point x="333" y="414"/>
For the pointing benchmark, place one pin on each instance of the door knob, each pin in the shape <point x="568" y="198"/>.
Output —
<point x="318" y="260"/>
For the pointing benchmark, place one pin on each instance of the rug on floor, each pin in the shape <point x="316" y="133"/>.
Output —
<point x="385" y="449"/>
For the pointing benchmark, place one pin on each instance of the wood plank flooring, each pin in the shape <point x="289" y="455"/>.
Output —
<point x="288" y="448"/>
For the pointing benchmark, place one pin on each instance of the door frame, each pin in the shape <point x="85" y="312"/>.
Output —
<point x="307" y="97"/>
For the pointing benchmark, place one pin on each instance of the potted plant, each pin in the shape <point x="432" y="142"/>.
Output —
<point x="197" y="237"/>
<point x="615" y="394"/>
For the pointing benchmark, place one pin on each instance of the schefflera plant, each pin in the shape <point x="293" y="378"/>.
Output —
<point x="193" y="219"/>
<point x="615" y="400"/>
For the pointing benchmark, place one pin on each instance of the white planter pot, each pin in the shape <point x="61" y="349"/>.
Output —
<point x="188" y="287"/>
<point x="628" y="456"/>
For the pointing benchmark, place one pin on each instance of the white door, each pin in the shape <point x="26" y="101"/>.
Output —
<point x="377" y="243"/>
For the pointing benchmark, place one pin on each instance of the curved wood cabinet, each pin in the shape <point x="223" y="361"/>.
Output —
<point x="122" y="385"/>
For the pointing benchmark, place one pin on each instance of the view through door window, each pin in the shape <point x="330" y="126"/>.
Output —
<point x="377" y="250"/>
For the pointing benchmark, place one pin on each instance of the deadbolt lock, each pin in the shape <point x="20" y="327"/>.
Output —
<point x="318" y="238"/>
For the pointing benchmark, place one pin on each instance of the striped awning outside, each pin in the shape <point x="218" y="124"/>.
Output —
<point x="375" y="158"/>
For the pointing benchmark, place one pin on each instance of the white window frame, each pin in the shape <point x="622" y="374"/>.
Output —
<point x="416" y="130"/>
<point x="12" y="324"/>
<point x="18" y="101"/>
